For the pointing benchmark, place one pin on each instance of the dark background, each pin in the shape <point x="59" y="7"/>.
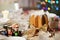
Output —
<point x="56" y="11"/>
<point x="53" y="10"/>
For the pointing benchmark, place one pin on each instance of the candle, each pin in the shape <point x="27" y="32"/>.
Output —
<point x="16" y="6"/>
<point x="5" y="14"/>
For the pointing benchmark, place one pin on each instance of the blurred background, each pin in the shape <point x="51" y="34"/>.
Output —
<point x="52" y="6"/>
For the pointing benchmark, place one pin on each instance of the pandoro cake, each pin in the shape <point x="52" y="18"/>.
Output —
<point x="32" y="20"/>
<point x="38" y="22"/>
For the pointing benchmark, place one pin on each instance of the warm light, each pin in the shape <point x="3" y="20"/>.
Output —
<point x="48" y="8"/>
<point x="46" y="0"/>
<point x="52" y="2"/>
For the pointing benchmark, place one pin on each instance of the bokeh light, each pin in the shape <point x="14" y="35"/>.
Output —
<point x="48" y="8"/>
<point x="57" y="2"/>
<point x="38" y="6"/>
<point x="46" y="0"/>
<point x="49" y="1"/>
<point x="57" y="8"/>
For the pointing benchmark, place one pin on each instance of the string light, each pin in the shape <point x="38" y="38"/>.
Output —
<point x="57" y="8"/>
<point x="57" y="2"/>
<point x="49" y="1"/>
<point x="46" y="0"/>
<point x="48" y="8"/>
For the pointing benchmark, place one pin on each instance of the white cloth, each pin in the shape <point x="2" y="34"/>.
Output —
<point x="16" y="38"/>
<point x="44" y="35"/>
<point x="2" y="37"/>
